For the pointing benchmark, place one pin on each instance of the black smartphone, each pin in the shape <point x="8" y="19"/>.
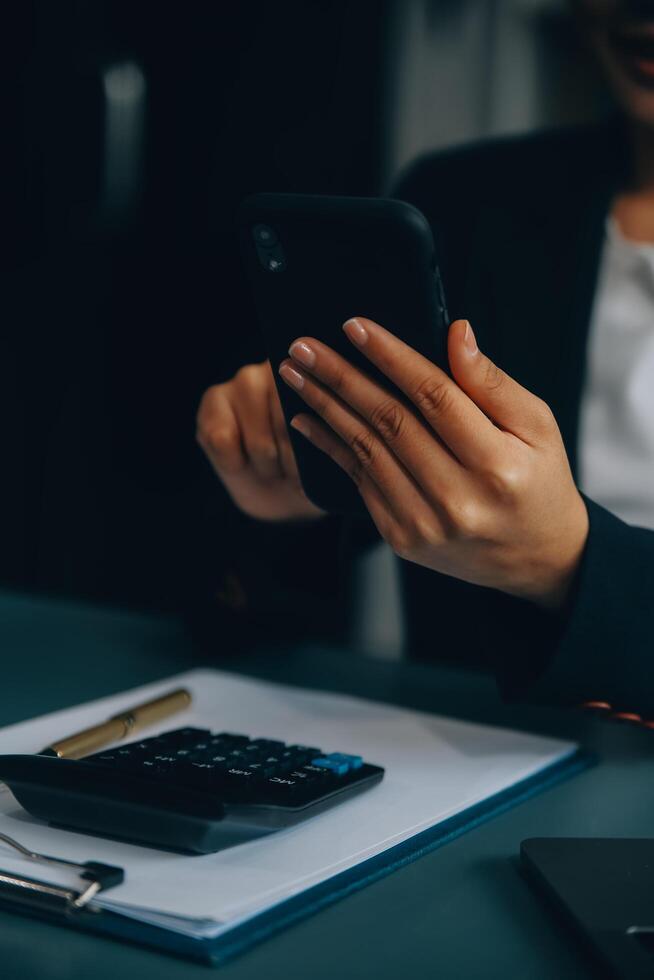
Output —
<point x="314" y="262"/>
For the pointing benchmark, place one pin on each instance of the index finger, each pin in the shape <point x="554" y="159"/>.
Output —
<point x="460" y="423"/>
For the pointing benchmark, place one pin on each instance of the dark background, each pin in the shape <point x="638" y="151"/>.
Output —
<point x="132" y="132"/>
<point x="118" y="321"/>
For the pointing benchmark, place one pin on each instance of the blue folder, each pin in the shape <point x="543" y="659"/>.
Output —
<point x="237" y="940"/>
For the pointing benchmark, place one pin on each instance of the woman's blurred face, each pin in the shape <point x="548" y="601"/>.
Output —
<point x="622" y="35"/>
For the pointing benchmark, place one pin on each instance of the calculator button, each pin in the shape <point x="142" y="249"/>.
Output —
<point x="268" y="745"/>
<point x="234" y="739"/>
<point x="302" y="777"/>
<point x="123" y="760"/>
<point x="352" y="761"/>
<point x="297" y="755"/>
<point x="152" y="769"/>
<point x="196" y="775"/>
<point x="238" y="783"/>
<point x="179" y="734"/>
<point x="282" y="789"/>
<point x="200" y="755"/>
<point x="238" y="775"/>
<point x="262" y="769"/>
<point x="316" y="770"/>
<point x="184" y="736"/>
<point x="338" y="766"/>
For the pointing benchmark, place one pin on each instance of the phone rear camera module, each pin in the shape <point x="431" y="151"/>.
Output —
<point x="265" y="236"/>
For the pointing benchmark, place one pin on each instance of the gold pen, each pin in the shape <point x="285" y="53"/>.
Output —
<point x="119" y="726"/>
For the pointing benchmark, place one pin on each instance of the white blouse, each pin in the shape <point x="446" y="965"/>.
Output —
<point x="616" y="445"/>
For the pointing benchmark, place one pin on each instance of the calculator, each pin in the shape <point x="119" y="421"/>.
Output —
<point x="188" y="790"/>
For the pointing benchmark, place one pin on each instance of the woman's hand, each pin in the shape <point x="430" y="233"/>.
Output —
<point x="241" y="428"/>
<point x="469" y="477"/>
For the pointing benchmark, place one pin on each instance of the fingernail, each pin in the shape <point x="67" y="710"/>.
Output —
<point x="302" y="353"/>
<point x="293" y="377"/>
<point x="356" y="331"/>
<point x="302" y="425"/>
<point x="469" y="340"/>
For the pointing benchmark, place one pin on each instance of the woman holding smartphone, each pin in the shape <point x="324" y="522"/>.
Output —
<point x="520" y="490"/>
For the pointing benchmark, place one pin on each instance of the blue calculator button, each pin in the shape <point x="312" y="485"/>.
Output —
<point x="353" y="761"/>
<point x="339" y="768"/>
<point x="338" y="762"/>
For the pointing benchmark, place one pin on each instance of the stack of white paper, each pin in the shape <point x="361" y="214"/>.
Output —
<point x="435" y="768"/>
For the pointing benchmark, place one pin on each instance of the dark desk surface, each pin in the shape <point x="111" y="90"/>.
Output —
<point x="463" y="911"/>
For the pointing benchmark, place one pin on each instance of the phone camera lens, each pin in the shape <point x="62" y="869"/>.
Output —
<point x="264" y="235"/>
<point x="275" y="264"/>
<point x="268" y="248"/>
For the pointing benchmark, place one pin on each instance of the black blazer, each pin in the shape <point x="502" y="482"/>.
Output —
<point x="520" y="225"/>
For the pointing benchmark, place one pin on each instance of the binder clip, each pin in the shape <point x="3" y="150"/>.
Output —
<point x="95" y="877"/>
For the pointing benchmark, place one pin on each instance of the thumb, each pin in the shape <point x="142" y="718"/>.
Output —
<point x="502" y="399"/>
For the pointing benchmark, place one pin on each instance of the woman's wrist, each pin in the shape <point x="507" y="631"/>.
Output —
<point x="558" y="580"/>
